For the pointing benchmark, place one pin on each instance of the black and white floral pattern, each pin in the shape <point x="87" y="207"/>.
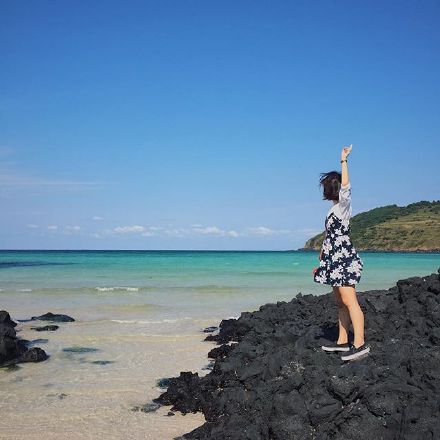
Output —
<point x="340" y="264"/>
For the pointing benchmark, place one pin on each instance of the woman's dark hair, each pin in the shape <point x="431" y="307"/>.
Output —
<point x="331" y="183"/>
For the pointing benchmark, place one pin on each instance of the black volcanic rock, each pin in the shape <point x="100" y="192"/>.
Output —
<point x="12" y="349"/>
<point x="275" y="383"/>
<point x="46" y="328"/>
<point x="34" y="354"/>
<point x="6" y="319"/>
<point x="53" y="317"/>
<point x="6" y="330"/>
<point x="210" y="329"/>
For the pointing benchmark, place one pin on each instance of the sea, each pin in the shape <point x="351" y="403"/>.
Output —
<point x="139" y="317"/>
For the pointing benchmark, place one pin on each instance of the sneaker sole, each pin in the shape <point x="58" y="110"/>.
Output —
<point x="355" y="355"/>
<point x="332" y="349"/>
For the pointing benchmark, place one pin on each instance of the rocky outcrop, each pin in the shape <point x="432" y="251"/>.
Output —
<point x="392" y="228"/>
<point x="271" y="380"/>
<point x="12" y="349"/>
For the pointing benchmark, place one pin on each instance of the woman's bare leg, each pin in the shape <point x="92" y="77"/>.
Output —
<point x="349" y="299"/>
<point x="344" y="317"/>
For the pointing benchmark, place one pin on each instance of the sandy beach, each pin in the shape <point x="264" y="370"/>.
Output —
<point x="71" y="397"/>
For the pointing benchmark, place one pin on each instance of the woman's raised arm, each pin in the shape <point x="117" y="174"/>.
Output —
<point x="345" y="190"/>
<point x="345" y="152"/>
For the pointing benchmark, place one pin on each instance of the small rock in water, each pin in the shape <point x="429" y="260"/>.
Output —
<point x="210" y="329"/>
<point x="77" y="349"/>
<point x="34" y="354"/>
<point x="53" y="317"/>
<point x="102" y="362"/>
<point x="60" y="396"/>
<point x="163" y="383"/>
<point x="170" y="413"/>
<point x="46" y="328"/>
<point x="148" y="407"/>
<point x="30" y="344"/>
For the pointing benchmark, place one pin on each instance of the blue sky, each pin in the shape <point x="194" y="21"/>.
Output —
<point x="205" y="125"/>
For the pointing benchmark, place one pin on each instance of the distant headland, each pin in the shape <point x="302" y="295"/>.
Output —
<point x="392" y="228"/>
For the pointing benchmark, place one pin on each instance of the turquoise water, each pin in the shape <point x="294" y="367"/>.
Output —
<point x="182" y="281"/>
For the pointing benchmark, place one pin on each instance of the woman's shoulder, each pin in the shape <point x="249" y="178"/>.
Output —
<point x="336" y="211"/>
<point x="332" y="209"/>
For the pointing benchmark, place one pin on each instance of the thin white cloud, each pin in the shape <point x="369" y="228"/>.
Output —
<point x="264" y="231"/>
<point x="175" y="232"/>
<point x="128" y="229"/>
<point x="199" y="230"/>
<point x="97" y="218"/>
<point x="261" y="230"/>
<point x="70" y="230"/>
<point x="210" y="230"/>
<point x="216" y="231"/>
<point x="156" y="228"/>
<point x="75" y="228"/>
<point x="145" y="231"/>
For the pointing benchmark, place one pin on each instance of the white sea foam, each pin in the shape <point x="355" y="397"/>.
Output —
<point x="141" y="321"/>
<point x="112" y="289"/>
<point x="24" y="290"/>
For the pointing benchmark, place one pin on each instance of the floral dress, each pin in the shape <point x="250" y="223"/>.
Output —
<point x="340" y="264"/>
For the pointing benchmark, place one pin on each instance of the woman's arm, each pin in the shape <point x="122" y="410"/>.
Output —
<point x="345" y="190"/>
<point x="344" y="154"/>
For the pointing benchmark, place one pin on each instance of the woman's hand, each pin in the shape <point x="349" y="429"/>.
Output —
<point x="314" y="270"/>
<point x="346" y="151"/>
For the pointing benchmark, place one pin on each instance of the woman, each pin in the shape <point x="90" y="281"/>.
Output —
<point x="340" y="265"/>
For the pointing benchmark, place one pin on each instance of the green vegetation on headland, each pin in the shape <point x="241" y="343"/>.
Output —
<point x="411" y="228"/>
